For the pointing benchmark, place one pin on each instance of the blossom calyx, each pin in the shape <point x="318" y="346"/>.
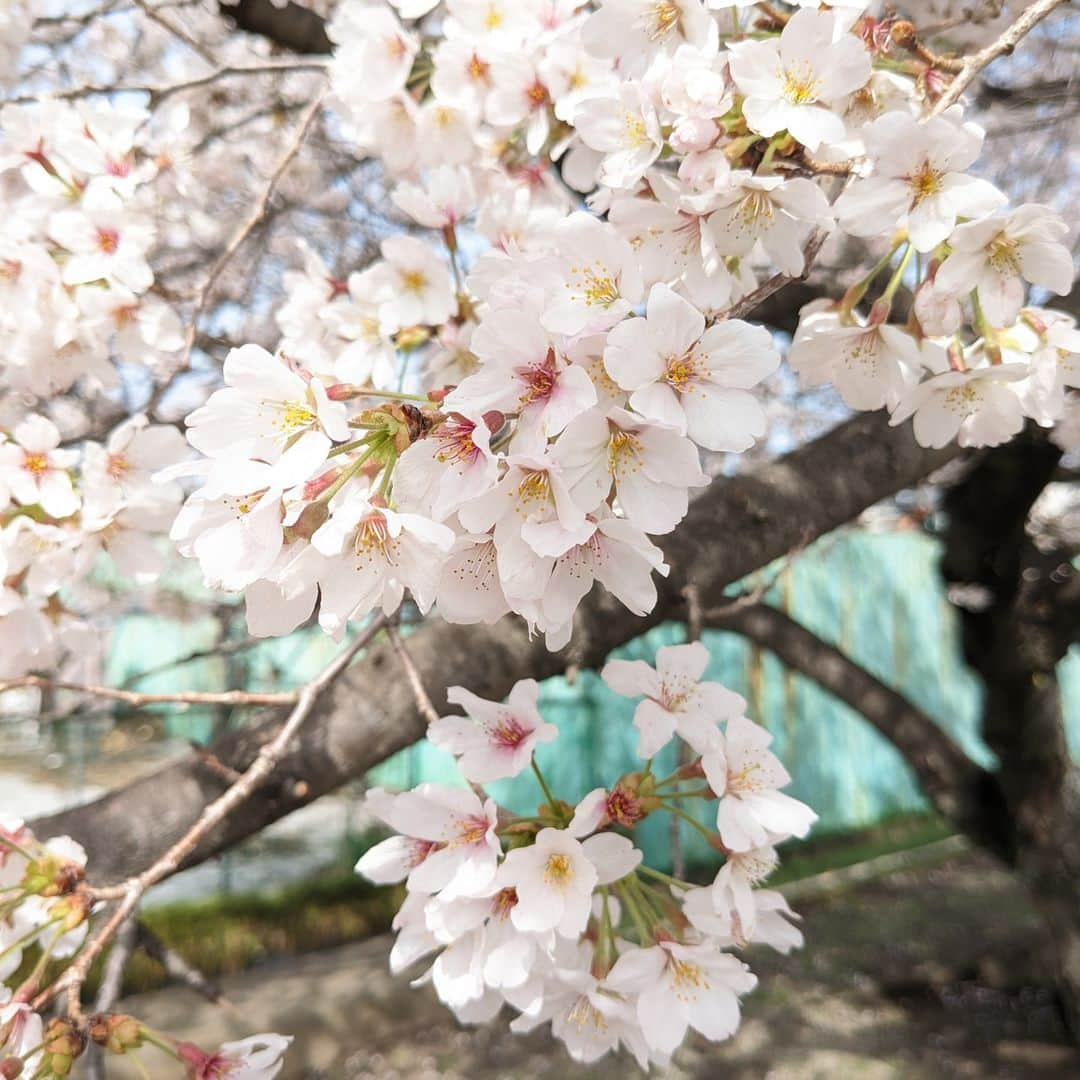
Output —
<point x="402" y="422"/>
<point x="62" y="1045"/>
<point x="117" y="1032"/>
<point x="50" y="876"/>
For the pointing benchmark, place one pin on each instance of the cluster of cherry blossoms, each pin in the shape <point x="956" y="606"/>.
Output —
<point x="45" y="908"/>
<point x="509" y="402"/>
<point x="62" y="510"/>
<point x="554" y="913"/>
<point x="75" y="245"/>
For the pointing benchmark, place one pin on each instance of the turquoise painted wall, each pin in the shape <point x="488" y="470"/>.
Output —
<point x="876" y="595"/>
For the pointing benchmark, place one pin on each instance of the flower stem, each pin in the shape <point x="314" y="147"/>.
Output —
<point x="690" y="820"/>
<point x="351" y="470"/>
<point x="543" y="785"/>
<point x="394" y="395"/>
<point x="666" y="878"/>
<point x="630" y="904"/>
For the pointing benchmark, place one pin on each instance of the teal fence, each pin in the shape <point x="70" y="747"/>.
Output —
<point x="876" y="595"/>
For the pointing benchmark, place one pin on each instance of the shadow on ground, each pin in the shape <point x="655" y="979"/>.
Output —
<point x="936" y="972"/>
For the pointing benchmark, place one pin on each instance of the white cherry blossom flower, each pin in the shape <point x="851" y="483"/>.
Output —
<point x="522" y="372"/>
<point x="682" y="986"/>
<point x="980" y="407"/>
<point x="263" y="407"/>
<point x="441" y="472"/>
<point x="493" y="741"/>
<point x="373" y="54"/>
<point x="619" y="556"/>
<point x="623" y="126"/>
<point x="996" y="255"/>
<point x="693" y="379"/>
<point x="532" y="502"/>
<point x="258" y="1057"/>
<point x="793" y="82"/>
<point x="595" y="279"/>
<point x="676" y="700"/>
<point x="918" y="179"/>
<point x="446" y="196"/>
<point x="651" y="467"/>
<point x="871" y="366"/>
<point x="446" y="842"/>
<point x="554" y="878"/>
<point x="777" y="212"/>
<point x="375" y="554"/>
<point x="635" y="31"/>
<point x="746" y="776"/>
<point x="411" y="284"/>
<point x="35" y="470"/>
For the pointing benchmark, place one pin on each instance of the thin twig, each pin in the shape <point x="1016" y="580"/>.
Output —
<point x="134" y="698"/>
<point x="178" y="969"/>
<point x="131" y="891"/>
<point x="423" y="701"/>
<point x="262" y="206"/>
<point x="224" y="648"/>
<point x="109" y="992"/>
<point x="158" y="92"/>
<point x="177" y="32"/>
<point x="758" y="593"/>
<point x="1029" y="18"/>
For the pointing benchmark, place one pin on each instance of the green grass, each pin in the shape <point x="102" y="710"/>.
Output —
<point x="226" y="934"/>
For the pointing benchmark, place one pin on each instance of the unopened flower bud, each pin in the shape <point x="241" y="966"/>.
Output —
<point x="117" y="1032"/>
<point x="412" y="337"/>
<point x="311" y="518"/>
<point x="904" y="34"/>
<point x="10" y="1068"/>
<point x="61" y="1047"/>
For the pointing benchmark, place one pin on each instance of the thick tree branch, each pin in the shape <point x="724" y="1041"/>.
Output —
<point x="736" y="527"/>
<point x="965" y="794"/>
<point x="292" y="27"/>
<point x="1021" y="614"/>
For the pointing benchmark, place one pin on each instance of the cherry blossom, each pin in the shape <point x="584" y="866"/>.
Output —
<point x="792" y="83"/>
<point x="918" y="178"/>
<point x="676" y="701"/>
<point x="996" y="255"/>
<point x="746" y="777"/>
<point x="682" y="986"/>
<point x="493" y="741"/>
<point x="693" y="379"/>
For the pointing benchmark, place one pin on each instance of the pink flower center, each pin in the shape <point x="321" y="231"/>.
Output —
<point x="455" y="441"/>
<point x="35" y="464"/>
<point x="108" y="240"/>
<point x="508" y="733"/>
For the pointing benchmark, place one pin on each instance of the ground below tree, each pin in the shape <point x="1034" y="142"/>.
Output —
<point x="934" y="972"/>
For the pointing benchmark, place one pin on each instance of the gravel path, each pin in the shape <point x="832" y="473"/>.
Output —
<point x="929" y="973"/>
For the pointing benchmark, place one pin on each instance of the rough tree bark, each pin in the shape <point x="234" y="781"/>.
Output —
<point x="962" y="792"/>
<point x="291" y="26"/>
<point x="737" y="526"/>
<point x="1020" y="612"/>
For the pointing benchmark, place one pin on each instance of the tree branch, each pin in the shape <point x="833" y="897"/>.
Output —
<point x="291" y="26"/>
<point x="1003" y="46"/>
<point x="737" y="526"/>
<point x="131" y="891"/>
<point x="138" y="700"/>
<point x="963" y="792"/>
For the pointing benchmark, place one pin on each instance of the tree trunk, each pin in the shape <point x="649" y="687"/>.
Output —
<point x="1020" y="611"/>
